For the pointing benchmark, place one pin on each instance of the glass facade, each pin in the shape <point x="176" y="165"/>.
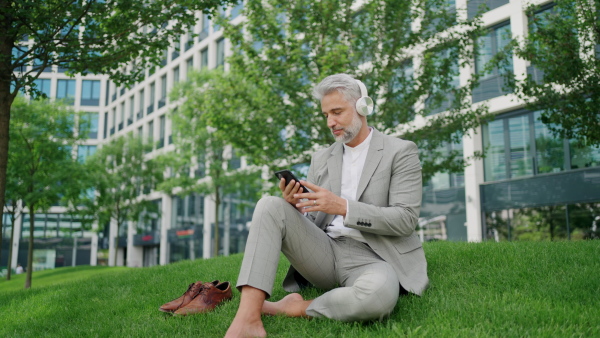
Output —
<point x="83" y="152"/>
<point x="66" y="91"/>
<point x="44" y="86"/>
<point x="475" y="7"/>
<point x="443" y="211"/>
<point x="220" y="52"/>
<point x="520" y="145"/>
<point x="88" y="124"/>
<point x="538" y="186"/>
<point x="187" y="226"/>
<point x="90" y="93"/>
<point x="491" y="82"/>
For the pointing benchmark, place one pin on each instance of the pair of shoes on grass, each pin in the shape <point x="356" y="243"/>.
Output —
<point x="200" y="297"/>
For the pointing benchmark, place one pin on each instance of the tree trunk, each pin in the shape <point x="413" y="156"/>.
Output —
<point x="116" y="245"/>
<point x="10" y="251"/>
<point x="6" y="100"/>
<point x="30" y="249"/>
<point x="217" y="203"/>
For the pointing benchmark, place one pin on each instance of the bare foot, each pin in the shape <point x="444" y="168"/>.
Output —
<point x="244" y="328"/>
<point x="292" y="305"/>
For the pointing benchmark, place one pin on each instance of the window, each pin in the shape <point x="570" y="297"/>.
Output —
<point x="130" y="110"/>
<point x="161" y="131"/>
<point x="88" y="124"/>
<point x="66" y="91"/>
<point x="121" y="115"/>
<point x="175" y="52"/>
<point x="151" y="131"/>
<point x="221" y="14"/>
<point x="446" y="62"/>
<point x="142" y="104"/>
<point x="176" y="74"/>
<point x="189" y="65"/>
<point x="84" y="152"/>
<point x="521" y="156"/>
<point x="539" y="20"/>
<point x="220" y="52"/>
<point x="477" y="6"/>
<point x="189" y="38"/>
<point x="550" y="151"/>
<point x="43" y="85"/>
<point x="150" y="109"/>
<point x="113" y="116"/>
<point x="163" y="91"/>
<point x="90" y="93"/>
<point x="491" y="82"/>
<point x="106" y="93"/>
<point x="235" y="162"/>
<point x="443" y="180"/>
<point x="519" y="144"/>
<point x="204" y="58"/>
<point x="205" y="29"/>
<point x="237" y="9"/>
<point x="105" y="125"/>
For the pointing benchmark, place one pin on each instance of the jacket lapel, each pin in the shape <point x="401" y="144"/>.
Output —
<point x="374" y="156"/>
<point x="334" y="167"/>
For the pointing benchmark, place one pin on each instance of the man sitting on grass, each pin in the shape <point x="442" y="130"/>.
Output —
<point x="355" y="229"/>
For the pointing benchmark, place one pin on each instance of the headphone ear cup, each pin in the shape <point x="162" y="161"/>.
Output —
<point x="364" y="106"/>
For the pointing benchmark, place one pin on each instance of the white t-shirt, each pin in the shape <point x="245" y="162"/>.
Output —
<point x="353" y="163"/>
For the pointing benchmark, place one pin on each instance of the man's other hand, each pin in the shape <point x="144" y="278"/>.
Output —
<point x="320" y="200"/>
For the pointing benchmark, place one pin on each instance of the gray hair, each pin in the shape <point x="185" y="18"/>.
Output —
<point x="343" y="83"/>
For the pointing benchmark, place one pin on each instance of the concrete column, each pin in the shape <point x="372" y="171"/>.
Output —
<point x="209" y="219"/>
<point x="16" y="239"/>
<point x="227" y="225"/>
<point x="166" y="213"/>
<point x="94" y="244"/>
<point x="473" y="178"/>
<point x="112" y="246"/>
<point x="135" y="254"/>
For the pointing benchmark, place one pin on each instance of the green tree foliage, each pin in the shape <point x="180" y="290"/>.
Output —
<point x="41" y="164"/>
<point x="201" y="162"/>
<point x="282" y="49"/>
<point x="563" y="80"/>
<point x="94" y="36"/>
<point x="121" y="173"/>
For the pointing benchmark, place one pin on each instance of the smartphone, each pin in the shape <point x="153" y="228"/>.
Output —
<point x="288" y="175"/>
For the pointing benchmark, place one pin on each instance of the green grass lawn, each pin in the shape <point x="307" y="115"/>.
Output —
<point x="548" y="289"/>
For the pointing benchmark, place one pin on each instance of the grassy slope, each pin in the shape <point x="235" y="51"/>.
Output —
<point x="486" y="289"/>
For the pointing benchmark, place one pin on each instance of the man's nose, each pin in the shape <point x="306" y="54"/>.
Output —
<point x="331" y="122"/>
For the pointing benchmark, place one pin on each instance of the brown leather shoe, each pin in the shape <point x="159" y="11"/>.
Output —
<point x="209" y="297"/>
<point x="186" y="298"/>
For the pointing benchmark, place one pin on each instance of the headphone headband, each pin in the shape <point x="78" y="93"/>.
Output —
<point x="363" y="88"/>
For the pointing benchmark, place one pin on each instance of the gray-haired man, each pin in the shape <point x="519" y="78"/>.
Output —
<point x="355" y="229"/>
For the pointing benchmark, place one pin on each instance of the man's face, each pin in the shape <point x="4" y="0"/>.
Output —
<point x="342" y="118"/>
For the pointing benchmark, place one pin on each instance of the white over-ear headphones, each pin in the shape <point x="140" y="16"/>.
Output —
<point x="364" y="105"/>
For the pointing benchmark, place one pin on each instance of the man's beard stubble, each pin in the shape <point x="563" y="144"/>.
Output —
<point x="351" y="131"/>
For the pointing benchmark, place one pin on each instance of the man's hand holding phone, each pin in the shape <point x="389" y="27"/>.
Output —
<point x="319" y="199"/>
<point x="290" y="185"/>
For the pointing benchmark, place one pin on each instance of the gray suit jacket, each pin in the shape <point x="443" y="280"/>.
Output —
<point x="387" y="207"/>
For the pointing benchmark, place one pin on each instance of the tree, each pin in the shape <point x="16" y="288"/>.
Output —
<point x="283" y="49"/>
<point x="13" y="206"/>
<point x="563" y="80"/>
<point x="198" y="145"/>
<point x="101" y="37"/>
<point x="121" y="174"/>
<point x="42" y="139"/>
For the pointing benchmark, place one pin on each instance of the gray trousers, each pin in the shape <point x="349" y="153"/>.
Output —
<point x="368" y="286"/>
